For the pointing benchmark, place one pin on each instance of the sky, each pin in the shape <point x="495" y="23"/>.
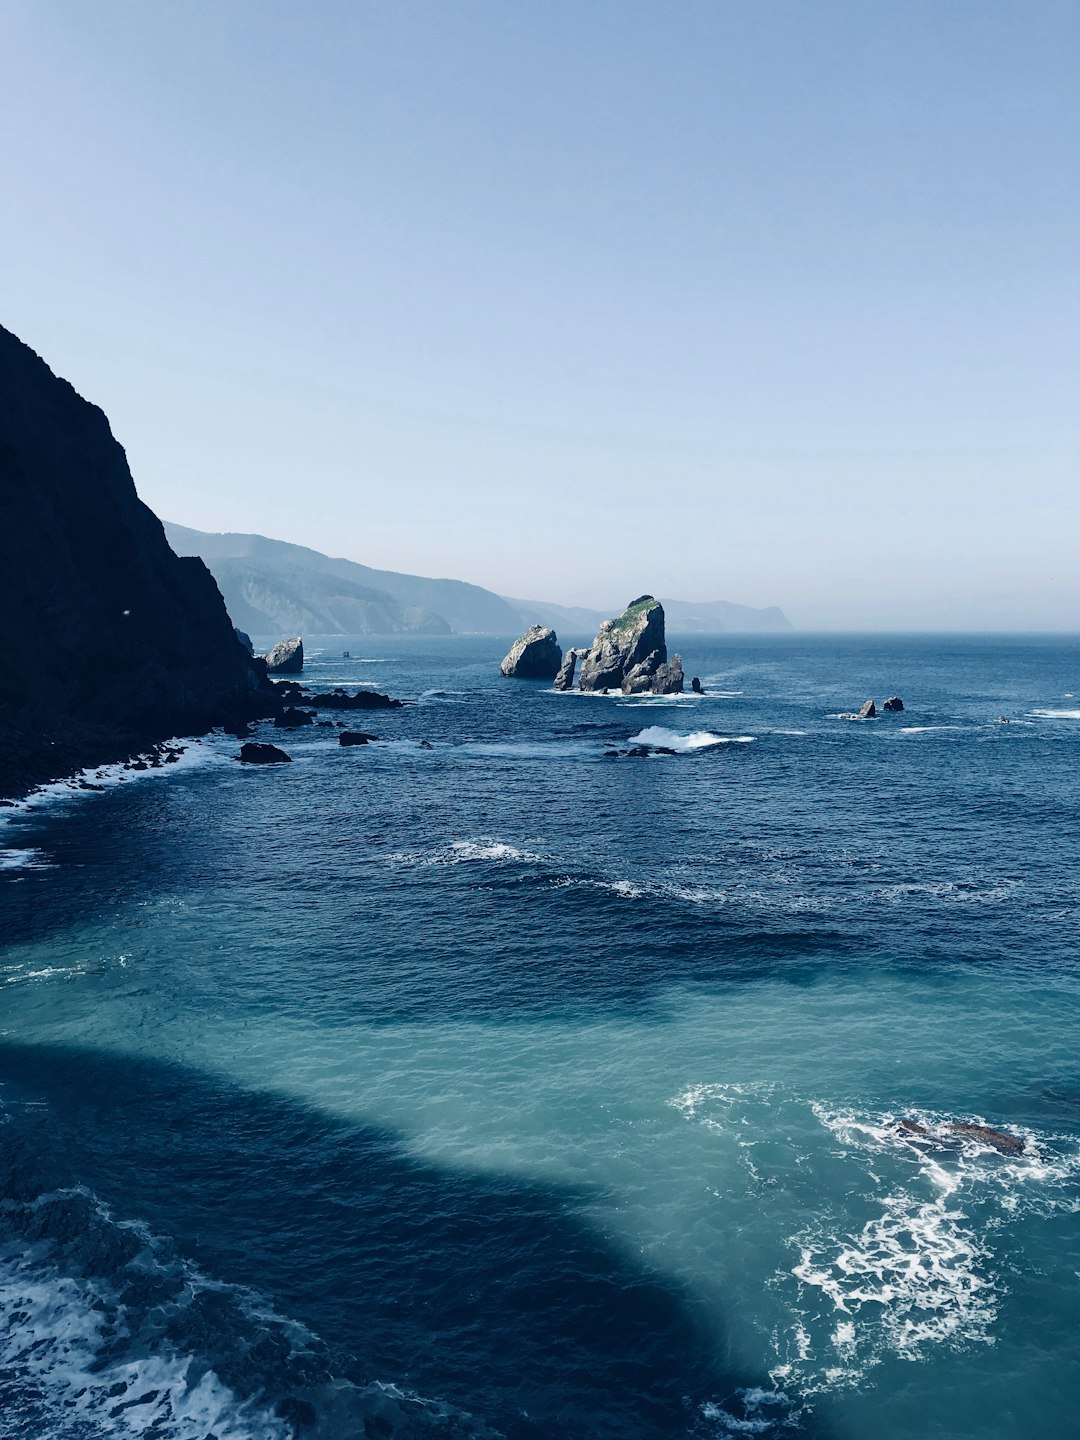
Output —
<point x="718" y="299"/>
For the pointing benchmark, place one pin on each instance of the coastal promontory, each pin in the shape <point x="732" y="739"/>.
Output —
<point x="111" y="640"/>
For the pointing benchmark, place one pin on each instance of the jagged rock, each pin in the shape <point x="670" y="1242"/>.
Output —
<point x="893" y="703"/>
<point x="868" y="711"/>
<point x="293" y="719"/>
<point x="695" y="686"/>
<point x="669" y="677"/>
<point x="630" y="654"/>
<point x="254" y="753"/>
<point x="287" y="657"/>
<point x="535" y="656"/>
<point x="362" y="700"/>
<point x="245" y="640"/>
<point x="564" y="680"/>
<point x="355" y="737"/>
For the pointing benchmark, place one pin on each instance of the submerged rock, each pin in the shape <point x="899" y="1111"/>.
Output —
<point x="536" y="655"/>
<point x="630" y="654"/>
<point x="254" y="753"/>
<point x="286" y="658"/>
<point x="355" y="737"/>
<point x="893" y="703"/>
<point x="999" y="1140"/>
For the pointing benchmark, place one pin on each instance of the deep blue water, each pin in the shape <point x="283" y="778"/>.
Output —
<point x="504" y="1087"/>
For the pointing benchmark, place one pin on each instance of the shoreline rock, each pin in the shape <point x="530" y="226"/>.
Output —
<point x="258" y="753"/>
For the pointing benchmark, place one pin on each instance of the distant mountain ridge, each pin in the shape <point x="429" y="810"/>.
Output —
<point x="274" y="586"/>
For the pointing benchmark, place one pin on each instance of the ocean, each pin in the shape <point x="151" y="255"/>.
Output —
<point x="476" y="1082"/>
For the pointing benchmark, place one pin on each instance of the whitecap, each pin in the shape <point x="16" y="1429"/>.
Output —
<point x="1055" y="714"/>
<point x="659" y="735"/>
<point x="465" y="852"/>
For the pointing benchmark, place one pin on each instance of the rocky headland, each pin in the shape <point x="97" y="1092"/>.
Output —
<point x="112" y="642"/>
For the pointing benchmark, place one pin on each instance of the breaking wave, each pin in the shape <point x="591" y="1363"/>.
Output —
<point x="696" y="740"/>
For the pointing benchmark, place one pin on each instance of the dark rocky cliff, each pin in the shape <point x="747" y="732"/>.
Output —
<point x="110" y="640"/>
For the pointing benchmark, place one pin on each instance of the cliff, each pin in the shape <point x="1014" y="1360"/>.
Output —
<point x="111" y="640"/>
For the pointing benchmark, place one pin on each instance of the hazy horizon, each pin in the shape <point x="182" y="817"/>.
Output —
<point x="773" y="306"/>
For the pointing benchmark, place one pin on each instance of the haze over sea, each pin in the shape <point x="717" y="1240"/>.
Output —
<point x="556" y="1093"/>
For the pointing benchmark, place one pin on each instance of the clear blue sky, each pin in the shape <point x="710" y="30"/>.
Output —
<point x="744" y="299"/>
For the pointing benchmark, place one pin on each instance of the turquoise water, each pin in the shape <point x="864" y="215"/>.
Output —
<point x="495" y="1085"/>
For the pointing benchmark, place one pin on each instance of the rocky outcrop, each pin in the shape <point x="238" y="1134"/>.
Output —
<point x="110" y="640"/>
<point x="293" y="719"/>
<point x="999" y="1140"/>
<point x="535" y="656"/>
<point x="254" y="753"/>
<point x="341" y="700"/>
<point x="893" y="703"/>
<point x="286" y="658"/>
<point x="630" y="654"/>
<point x="564" y="680"/>
<point x="355" y="737"/>
<point x="868" y="711"/>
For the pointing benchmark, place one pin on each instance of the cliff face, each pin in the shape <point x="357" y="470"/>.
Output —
<point x="110" y="639"/>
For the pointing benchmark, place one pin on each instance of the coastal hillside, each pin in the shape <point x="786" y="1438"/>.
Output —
<point x="272" y="585"/>
<point x="268" y="584"/>
<point x="111" y="639"/>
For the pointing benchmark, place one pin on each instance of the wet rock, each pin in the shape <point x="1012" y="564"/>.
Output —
<point x="254" y="753"/>
<point x="987" y="1135"/>
<point x="536" y="655"/>
<point x="868" y="711"/>
<point x="293" y="719"/>
<point x="999" y="1140"/>
<point x="893" y="703"/>
<point x="355" y="737"/>
<point x="695" y="686"/>
<point x="286" y="658"/>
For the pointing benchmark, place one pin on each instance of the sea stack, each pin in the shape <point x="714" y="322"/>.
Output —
<point x="286" y="658"/>
<point x="535" y="656"/>
<point x="630" y="654"/>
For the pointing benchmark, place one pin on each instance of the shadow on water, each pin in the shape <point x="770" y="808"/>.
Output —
<point x="486" y="1292"/>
